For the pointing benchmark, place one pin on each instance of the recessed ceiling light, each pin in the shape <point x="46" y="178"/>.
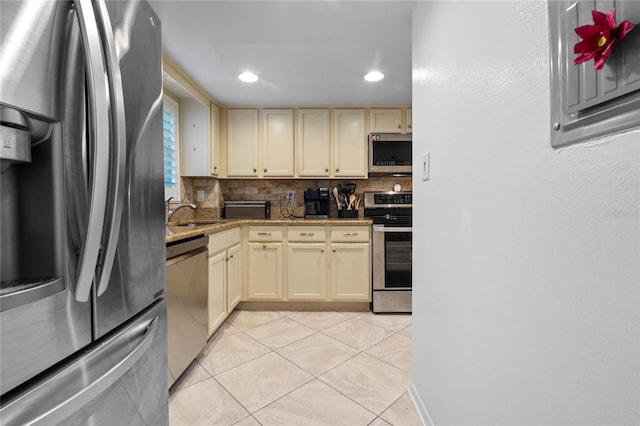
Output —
<point x="248" y="77"/>
<point x="374" y="76"/>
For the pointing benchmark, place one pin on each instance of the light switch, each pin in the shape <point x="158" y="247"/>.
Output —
<point x="425" y="166"/>
<point x="200" y="195"/>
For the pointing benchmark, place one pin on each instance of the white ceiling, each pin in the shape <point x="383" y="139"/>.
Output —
<point x="305" y="52"/>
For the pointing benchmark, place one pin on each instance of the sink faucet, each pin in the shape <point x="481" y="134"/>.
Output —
<point x="170" y="213"/>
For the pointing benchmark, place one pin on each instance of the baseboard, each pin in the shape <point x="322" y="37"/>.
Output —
<point x="420" y="407"/>
<point x="304" y="306"/>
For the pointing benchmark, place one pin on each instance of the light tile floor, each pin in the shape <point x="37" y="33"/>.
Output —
<point x="300" y="368"/>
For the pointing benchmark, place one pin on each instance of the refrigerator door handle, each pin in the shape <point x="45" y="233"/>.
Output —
<point x="115" y="201"/>
<point x="41" y="414"/>
<point x="98" y="133"/>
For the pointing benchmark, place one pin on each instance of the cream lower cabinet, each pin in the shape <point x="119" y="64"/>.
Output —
<point x="328" y="268"/>
<point x="307" y="263"/>
<point x="233" y="277"/>
<point x="323" y="263"/>
<point x="224" y="276"/>
<point x="307" y="271"/>
<point x="350" y="272"/>
<point x="350" y="263"/>
<point x="264" y="263"/>
<point x="217" y="303"/>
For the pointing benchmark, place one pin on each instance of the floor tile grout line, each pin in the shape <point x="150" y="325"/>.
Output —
<point x="349" y="398"/>
<point x="242" y="363"/>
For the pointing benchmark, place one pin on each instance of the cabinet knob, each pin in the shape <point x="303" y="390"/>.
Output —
<point x="326" y="170"/>
<point x="409" y="126"/>
<point x="264" y="170"/>
<point x="398" y="126"/>
<point x="321" y="250"/>
<point x="255" y="170"/>
<point x="231" y="257"/>
<point x="226" y="259"/>
<point x="334" y="250"/>
<point x="337" y="170"/>
<point x="264" y="246"/>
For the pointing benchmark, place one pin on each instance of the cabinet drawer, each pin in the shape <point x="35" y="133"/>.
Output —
<point x="307" y="234"/>
<point x="265" y="233"/>
<point x="349" y="234"/>
<point x="221" y="240"/>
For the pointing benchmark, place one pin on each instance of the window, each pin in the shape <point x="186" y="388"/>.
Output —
<point x="170" y="120"/>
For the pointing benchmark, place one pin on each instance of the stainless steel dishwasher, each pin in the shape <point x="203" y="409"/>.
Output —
<point x="187" y="292"/>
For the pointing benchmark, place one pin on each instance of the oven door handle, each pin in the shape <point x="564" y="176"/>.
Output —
<point x="382" y="228"/>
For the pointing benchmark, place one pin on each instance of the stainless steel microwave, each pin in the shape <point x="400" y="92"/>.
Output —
<point x="390" y="154"/>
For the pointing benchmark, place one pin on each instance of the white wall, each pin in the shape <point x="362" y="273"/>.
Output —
<point x="526" y="258"/>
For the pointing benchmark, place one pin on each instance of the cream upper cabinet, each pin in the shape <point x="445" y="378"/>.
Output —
<point x="349" y="143"/>
<point x="385" y="120"/>
<point x="277" y="143"/>
<point x="214" y="163"/>
<point x="195" y="139"/>
<point x="408" y="120"/>
<point x="390" y="120"/>
<point x="242" y="143"/>
<point x="314" y="142"/>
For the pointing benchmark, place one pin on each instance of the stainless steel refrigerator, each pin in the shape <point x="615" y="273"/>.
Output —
<point x="82" y="237"/>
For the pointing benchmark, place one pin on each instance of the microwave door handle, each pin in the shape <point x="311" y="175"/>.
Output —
<point x="98" y="134"/>
<point x="115" y="201"/>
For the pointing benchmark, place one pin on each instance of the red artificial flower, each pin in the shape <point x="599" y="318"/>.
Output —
<point x="598" y="39"/>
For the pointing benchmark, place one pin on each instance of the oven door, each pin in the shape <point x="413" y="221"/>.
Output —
<point x="392" y="258"/>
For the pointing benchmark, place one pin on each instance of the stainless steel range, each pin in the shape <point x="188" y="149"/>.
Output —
<point x="391" y="250"/>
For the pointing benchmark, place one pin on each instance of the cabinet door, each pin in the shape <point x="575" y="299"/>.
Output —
<point x="385" y="120"/>
<point x="214" y="144"/>
<point x="195" y="127"/>
<point x="314" y="143"/>
<point x="217" y="302"/>
<point x="350" y="143"/>
<point x="265" y="271"/>
<point x="307" y="271"/>
<point x="350" y="272"/>
<point x="242" y="142"/>
<point x="408" y="119"/>
<point x="233" y="277"/>
<point x="277" y="142"/>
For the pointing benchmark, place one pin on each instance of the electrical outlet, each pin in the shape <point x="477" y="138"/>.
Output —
<point x="290" y="195"/>
<point x="200" y="195"/>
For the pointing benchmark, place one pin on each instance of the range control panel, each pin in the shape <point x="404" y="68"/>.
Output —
<point x="390" y="199"/>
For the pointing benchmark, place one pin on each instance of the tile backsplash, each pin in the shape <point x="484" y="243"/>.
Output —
<point x="216" y="191"/>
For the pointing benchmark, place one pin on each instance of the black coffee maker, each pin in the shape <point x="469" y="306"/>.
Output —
<point x="316" y="203"/>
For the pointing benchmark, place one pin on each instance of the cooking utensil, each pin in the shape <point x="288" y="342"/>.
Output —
<point x="358" y="202"/>
<point x="352" y="199"/>
<point x="337" y="197"/>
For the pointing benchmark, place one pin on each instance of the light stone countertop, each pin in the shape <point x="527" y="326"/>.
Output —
<point x="180" y="232"/>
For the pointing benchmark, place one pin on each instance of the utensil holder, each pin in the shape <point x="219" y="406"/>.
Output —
<point x="348" y="214"/>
